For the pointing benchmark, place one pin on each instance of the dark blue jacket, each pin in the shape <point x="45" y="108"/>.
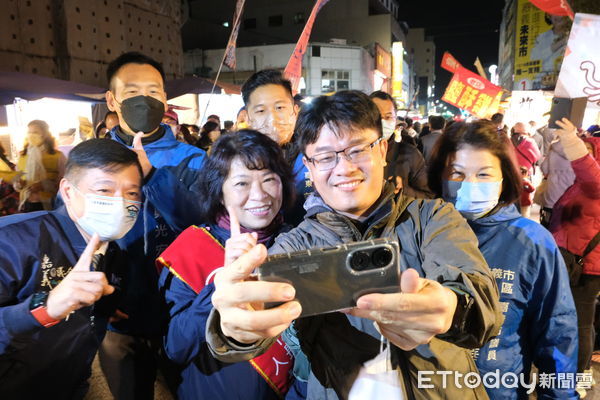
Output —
<point x="202" y="376"/>
<point x="37" y="250"/>
<point x="304" y="188"/>
<point x="148" y="238"/>
<point x="540" y="324"/>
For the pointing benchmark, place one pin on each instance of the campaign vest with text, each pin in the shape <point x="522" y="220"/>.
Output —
<point x="196" y="266"/>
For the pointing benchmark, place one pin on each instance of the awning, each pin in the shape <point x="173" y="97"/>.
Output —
<point x="197" y="85"/>
<point x="33" y="87"/>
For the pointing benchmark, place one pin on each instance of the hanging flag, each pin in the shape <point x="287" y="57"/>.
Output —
<point x="449" y="63"/>
<point x="470" y="92"/>
<point x="293" y="69"/>
<point x="554" y="7"/>
<point x="479" y="67"/>
<point x="580" y="71"/>
<point x="230" y="60"/>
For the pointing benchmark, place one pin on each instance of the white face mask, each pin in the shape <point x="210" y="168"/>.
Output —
<point x="110" y="217"/>
<point x="280" y="128"/>
<point x="388" y="128"/>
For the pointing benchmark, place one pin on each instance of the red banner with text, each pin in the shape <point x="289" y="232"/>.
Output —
<point x="472" y="93"/>
<point x="449" y="63"/>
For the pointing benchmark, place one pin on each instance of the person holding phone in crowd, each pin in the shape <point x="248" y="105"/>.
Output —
<point x="575" y="224"/>
<point x="447" y="296"/>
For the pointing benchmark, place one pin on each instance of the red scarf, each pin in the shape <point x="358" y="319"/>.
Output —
<point x="193" y="258"/>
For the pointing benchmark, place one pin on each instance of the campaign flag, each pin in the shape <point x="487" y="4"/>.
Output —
<point x="293" y="69"/>
<point x="472" y="93"/>
<point x="554" y="7"/>
<point x="449" y="63"/>
<point x="479" y="67"/>
<point x="230" y="60"/>
<point x="580" y="72"/>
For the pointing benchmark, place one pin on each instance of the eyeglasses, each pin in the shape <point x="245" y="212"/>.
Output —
<point x="355" y="154"/>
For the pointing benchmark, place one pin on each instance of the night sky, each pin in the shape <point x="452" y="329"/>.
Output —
<point x="465" y="28"/>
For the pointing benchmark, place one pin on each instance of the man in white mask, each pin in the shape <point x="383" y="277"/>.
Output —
<point x="62" y="275"/>
<point x="405" y="163"/>
<point x="270" y="109"/>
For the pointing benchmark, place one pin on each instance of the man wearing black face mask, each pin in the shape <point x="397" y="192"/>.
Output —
<point x="128" y="355"/>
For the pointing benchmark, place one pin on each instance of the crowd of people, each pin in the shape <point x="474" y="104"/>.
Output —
<point x="140" y="248"/>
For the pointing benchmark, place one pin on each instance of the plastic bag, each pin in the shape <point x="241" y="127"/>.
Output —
<point x="378" y="380"/>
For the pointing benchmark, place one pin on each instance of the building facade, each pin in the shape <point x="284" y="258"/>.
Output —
<point x="506" y="49"/>
<point x="422" y="51"/>
<point x="350" y="44"/>
<point x="326" y="67"/>
<point x="76" y="39"/>
<point x="532" y="46"/>
<point x="265" y="22"/>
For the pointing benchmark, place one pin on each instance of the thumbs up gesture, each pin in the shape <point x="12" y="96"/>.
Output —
<point x="81" y="287"/>
<point x="239" y="243"/>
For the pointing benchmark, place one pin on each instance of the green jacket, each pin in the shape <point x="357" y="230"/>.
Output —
<point x="437" y="242"/>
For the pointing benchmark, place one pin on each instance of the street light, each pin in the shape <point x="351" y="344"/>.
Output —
<point x="493" y="75"/>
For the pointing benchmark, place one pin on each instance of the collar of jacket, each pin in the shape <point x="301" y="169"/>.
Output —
<point x="70" y="229"/>
<point x="380" y="223"/>
<point x="499" y="215"/>
<point x="128" y="139"/>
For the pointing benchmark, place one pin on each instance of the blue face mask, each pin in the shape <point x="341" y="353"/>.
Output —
<point x="472" y="199"/>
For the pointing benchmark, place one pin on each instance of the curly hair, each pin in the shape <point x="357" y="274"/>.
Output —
<point x="256" y="151"/>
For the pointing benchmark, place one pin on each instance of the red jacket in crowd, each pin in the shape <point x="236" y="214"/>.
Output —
<point x="576" y="215"/>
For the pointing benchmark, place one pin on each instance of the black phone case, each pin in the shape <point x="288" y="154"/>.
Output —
<point x="325" y="280"/>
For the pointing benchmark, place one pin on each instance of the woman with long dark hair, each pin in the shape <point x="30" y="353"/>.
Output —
<point x="42" y="167"/>
<point x="209" y="133"/>
<point x="245" y="183"/>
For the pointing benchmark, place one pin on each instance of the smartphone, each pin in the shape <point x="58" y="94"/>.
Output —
<point x="332" y="278"/>
<point x="572" y="109"/>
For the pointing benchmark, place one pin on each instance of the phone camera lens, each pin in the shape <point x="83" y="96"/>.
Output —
<point x="359" y="261"/>
<point x="382" y="257"/>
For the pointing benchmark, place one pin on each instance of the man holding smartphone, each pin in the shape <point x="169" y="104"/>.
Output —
<point x="447" y="296"/>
